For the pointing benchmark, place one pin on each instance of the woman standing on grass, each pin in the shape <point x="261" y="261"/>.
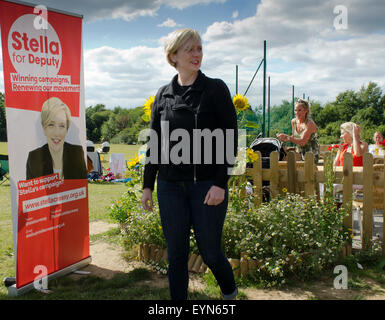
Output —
<point x="189" y="193"/>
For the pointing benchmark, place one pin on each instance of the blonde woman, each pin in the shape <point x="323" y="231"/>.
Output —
<point x="350" y="134"/>
<point x="56" y="156"/>
<point x="191" y="194"/>
<point x="304" y="131"/>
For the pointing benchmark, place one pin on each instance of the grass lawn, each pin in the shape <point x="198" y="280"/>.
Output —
<point x="129" y="151"/>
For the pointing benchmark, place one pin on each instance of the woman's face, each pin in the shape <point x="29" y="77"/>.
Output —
<point x="56" y="131"/>
<point x="189" y="56"/>
<point x="346" y="136"/>
<point x="300" y="111"/>
<point x="377" y="137"/>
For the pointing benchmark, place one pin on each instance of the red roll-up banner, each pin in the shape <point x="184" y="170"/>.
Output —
<point x="43" y="81"/>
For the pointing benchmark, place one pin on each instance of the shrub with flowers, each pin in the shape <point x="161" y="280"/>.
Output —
<point x="134" y="169"/>
<point x="138" y="226"/>
<point x="108" y="177"/>
<point x="286" y="235"/>
<point x="381" y="144"/>
<point x="290" y="235"/>
<point x="333" y="148"/>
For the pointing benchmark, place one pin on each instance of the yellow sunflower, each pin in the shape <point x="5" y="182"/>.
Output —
<point x="133" y="162"/>
<point x="147" y="107"/>
<point x="240" y="102"/>
<point x="251" y="156"/>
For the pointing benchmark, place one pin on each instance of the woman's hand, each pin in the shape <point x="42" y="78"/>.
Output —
<point x="358" y="146"/>
<point x="147" y="199"/>
<point x="214" y="196"/>
<point x="283" y="137"/>
<point x="356" y="131"/>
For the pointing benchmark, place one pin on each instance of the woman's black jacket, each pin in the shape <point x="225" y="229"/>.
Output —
<point x="207" y="104"/>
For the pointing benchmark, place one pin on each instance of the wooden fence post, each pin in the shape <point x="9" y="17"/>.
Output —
<point x="347" y="194"/>
<point x="309" y="174"/>
<point x="274" y="174"/>
<point x="367" y="223"/>
<point x="256" y="174"/>
<point x="291" y="172"/>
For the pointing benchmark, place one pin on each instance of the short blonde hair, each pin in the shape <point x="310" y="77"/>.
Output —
<point x="50" y="107"/>
<point x="348" y="127"/>
<point x="176" y="39"/>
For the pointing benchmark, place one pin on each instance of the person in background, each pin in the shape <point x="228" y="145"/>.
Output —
<point x="350" y="134"/>
<point x="377" y="138"/>
<point x="304" y="131"/>
<point x="105" y="147"/>
<point x="56" y="156"/>
<point x="90" y="146"/>
<point x="191" y="194"/>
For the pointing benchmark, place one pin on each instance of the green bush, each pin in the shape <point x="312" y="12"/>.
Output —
<point x="138" y="226"/>
<point x="288" y="235"/>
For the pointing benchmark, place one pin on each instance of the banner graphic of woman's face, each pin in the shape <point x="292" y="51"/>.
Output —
<point x="56" y="131"/>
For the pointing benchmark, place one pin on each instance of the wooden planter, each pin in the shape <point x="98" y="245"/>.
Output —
<point x="241" y="267"/>
<point x="152" y="253"/>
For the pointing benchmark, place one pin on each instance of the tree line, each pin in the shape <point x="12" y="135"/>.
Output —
<point x="364" y="107"/>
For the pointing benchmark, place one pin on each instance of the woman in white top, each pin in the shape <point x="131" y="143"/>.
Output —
<point x="304" y="131"/>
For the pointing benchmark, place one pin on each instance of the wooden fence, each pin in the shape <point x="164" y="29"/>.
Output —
<point x="304" y="177"/>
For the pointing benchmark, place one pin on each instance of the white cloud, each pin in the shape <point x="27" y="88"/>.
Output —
<point x="98" y="10"/>
<point x="119" y="9"/>
<point x="182" y="4"/>
<point x="235" y="14"/>
<point x="303" y="49"/>
<point x="170" y="23"/>
<point x="124" y="77"/>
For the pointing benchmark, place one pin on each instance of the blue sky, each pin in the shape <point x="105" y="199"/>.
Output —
<point x="124" y="61"/>
<point x="124" y="34"/>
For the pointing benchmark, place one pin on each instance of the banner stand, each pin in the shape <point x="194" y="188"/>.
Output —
<point x="42" y="61"/>
<point x="14" y="292"/>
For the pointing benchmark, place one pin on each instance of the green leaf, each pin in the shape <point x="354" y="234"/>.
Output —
<point x="381" y="265"/>
<point x="146" y="118"/>
<point x="251" y="124"/>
